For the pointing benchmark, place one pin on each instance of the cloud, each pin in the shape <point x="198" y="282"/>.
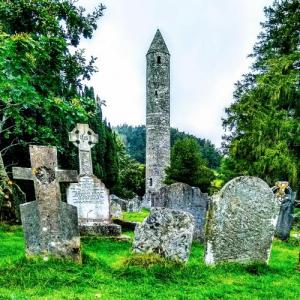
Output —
<point x="208" y="40"/>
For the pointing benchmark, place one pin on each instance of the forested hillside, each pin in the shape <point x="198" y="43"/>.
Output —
<point x="134" y="138"/>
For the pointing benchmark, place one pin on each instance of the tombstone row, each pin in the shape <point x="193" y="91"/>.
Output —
<point x="237" y="224"/>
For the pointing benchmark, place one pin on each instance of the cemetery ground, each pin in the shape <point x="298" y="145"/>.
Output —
<point x="110" y="271"/>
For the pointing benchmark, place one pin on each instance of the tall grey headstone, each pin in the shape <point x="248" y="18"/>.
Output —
<point x="241" y="222"/>
<point x="89" y="195"/>
<point x="184" y="197"/>
<point x="50" y="226"/>
<point x="287" y="198"/>
<point x="157" y="113"/>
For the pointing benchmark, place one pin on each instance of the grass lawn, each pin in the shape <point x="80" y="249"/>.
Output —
<point x="136" y="216"/>
<point x="110" y="271"/>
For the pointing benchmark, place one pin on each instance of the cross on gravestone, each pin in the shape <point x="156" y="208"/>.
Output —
<point x="50" y="226"/>
<point x="84" y="138"/>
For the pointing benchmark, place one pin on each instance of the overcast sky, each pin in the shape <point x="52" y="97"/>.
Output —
<point x="208" y="40"/>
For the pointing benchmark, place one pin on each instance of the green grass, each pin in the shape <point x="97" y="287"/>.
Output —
<point x="110" y="271"/>
<point x="137" y="216"/>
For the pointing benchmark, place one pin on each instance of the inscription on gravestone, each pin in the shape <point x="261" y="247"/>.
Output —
<point x="91" y="198"/>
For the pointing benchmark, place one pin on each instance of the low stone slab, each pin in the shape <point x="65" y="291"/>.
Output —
<point x="166" y="232"/>
<point x="184" y="197"/>
<point x="241" y="222"/>
<point x="101" y="230"/>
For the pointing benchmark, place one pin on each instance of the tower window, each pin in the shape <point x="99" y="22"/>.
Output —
<point x="150" y="181"/>
<point x="158" y="59"/>
<point x="156" y="94"/>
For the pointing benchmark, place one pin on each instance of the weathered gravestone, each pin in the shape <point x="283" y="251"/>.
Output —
<point x="241" y="222"/>
<point x="287" y="198"/>
<point x="184" y="197"/>
<point x="116" y="210"/>
<point x="90" y="195"/>
<point x="166" y="232"/>
<point x="50" y="226"/>
<point x="134" y="204"/>
<point x="118" y="200"/>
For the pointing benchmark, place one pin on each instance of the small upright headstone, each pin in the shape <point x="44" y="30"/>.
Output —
<point x="241" y="222"/>
<point x="167" y="232"/>
<point x="184" y="197"/>
<point x="90" y="195"/>
<point x="287" y="198"/>
<point x="50" y="226"/>
<point x="134" y="204"/>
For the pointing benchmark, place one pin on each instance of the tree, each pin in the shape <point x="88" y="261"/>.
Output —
<point x="188" y="166"/>
<point x="134" y="138"/>
<point x="263" y="123"/>
<point x="42" y="95"/>
<point x="131" y="175"/>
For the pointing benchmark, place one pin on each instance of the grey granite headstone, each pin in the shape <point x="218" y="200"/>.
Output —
<point x="241" y="222"/>
<point x="184" y="197"/>
<point x="50" y="226"/>
<point x="287" y="198"/>
<point x="166" y="232"/>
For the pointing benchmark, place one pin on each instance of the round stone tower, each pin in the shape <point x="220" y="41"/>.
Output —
<point x="157" y="113"/>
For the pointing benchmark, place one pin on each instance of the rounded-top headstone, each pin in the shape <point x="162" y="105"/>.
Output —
<point x="241" y="222"/>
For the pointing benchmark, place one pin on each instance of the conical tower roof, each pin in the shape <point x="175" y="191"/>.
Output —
<point x="158" y="44"/>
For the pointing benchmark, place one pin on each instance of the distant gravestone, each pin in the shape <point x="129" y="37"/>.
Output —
<point x="241" y="222"/>
<point x="119" y="201"/>
<point x="116" y="210"/>
<point x="166" y="232"/>
<point x="50" y="226"/>
<point x="184" y="197"/>
<point x="287" y="198"/>
<point x="134" y="204"/>
<point x="89" y="195"/>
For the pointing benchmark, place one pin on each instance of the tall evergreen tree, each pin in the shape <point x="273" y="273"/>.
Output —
<point x="264" y="120"/>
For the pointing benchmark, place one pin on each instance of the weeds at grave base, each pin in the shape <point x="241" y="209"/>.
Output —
<point x="148" y="260"/>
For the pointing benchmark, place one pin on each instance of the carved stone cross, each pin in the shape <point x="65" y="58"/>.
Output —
<point x="84" y="138"/>
<point x="50" y="226"/>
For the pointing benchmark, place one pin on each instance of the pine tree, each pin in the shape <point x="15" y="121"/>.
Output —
<point x="264" y="120"/>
